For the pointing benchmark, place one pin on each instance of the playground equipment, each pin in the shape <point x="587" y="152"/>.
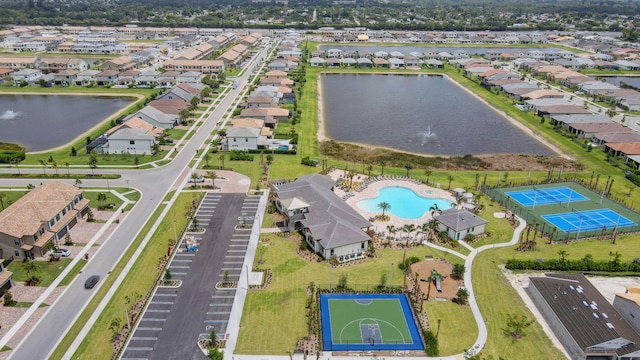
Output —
<point x="435" y="276"/>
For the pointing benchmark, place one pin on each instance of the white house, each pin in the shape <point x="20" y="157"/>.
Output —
<point x="244" y="138"/>
<point x="330" y="227"/>
<point x="131" y="141"/>
<point x="459" y="223"/>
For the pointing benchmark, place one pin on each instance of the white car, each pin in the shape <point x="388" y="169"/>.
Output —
<point x="60" y="252"/>
<point x="199" y="179"/>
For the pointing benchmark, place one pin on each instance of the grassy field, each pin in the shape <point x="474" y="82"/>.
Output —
<point x="283" y="302"/>
<point x="97" y="343"/>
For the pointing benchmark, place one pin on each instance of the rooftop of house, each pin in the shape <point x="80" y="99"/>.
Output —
<point x="460" y="219"/>
<point x="41" y="204"/>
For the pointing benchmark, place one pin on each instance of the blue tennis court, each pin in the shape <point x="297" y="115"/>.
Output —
<point x="546" y="196"/>
<point x="588" y="220"/>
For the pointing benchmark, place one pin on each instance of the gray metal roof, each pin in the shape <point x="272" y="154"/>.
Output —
<point x="585" y="313"/>
<point x="582" y="118"/>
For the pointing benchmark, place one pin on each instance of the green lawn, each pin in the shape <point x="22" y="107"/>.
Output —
<point x="47" y="271"/>
<point x="261" y="330"/>
<point x="9" y="197"/>
<point x="458" y="330"/>
<point x="110" y="199"/>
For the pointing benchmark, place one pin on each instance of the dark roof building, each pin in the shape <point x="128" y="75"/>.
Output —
<point x="330" y="226"/>
<point x="582" y="319"/>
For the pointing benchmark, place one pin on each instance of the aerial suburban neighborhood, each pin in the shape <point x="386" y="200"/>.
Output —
<point x="283" y="179"/>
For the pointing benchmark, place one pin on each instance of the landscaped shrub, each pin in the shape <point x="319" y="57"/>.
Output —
<point x="584" y="264"/>
<point x="240" y="155"/>
<point x="11" y="153"/>
<point x="431" y="343"/>
<point x="408" y="262"/>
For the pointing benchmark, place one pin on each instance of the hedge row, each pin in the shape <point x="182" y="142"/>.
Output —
<point x="573" y="265"/>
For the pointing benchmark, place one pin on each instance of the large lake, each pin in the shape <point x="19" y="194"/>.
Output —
<point x="42" y="122"/>
<point x="417" y="113"/>
<point x="629" y="80"/>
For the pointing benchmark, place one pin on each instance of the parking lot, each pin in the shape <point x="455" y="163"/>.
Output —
<point x="176" y="316"/>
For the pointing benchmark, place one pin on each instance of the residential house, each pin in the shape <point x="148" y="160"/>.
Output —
<point x="130" y="141"/>
<point x="623" y="136"/>
<point x="128" y="77"/>
<point x="65" y="77"/>
<point x="203" y="66"/>
<point x="26" y="75"/>
<point x="628" y="306"/>
<point x="244" y="138"/>
<point x="171" y="107"/>
<point x="184" y="92"/>
<point x="317" y="61"/>
<point x="156" y="117"/>
<point x="330" y="227"/>
<point x="121" y="63"/>
<point x="43" y="215"/>
<point x="86" y="77"/>
<point x="587" y="130"/>
<point x="107" y="77"/>
<point x="459" y="223"/>
<point x="261" y="102"/>
<point x="192" y="78"/>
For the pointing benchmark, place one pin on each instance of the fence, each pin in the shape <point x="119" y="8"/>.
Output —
<point x="364" y="345"/>
<point x="533" y="216"/>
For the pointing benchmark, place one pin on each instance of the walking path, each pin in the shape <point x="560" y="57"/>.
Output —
<point x="468" y="283"/>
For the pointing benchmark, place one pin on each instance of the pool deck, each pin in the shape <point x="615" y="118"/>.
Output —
<point x="370" y="187"/>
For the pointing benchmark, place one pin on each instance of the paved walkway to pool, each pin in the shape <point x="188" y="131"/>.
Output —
<point x="367" y="188"/>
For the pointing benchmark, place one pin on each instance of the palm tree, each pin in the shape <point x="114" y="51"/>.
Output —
<point x="382" y="164"/>
<point x="384" y="206"/>
<point x="102" y="197"/>
<point x="221" y="157"/>
<point x="33" y="269"/>
<point x="67" y="166"/>
<point x="563" y="255"/>
<point x="213" y="176"/>
<point x="409" y="228"/>
<point x="369" y="169"/>
<point x="450" y="178"/>
<point x="427" y="174"/>
<point x="93" y="163"/>
<point x="433" y="227"/>
<point x="391" y="230"/>
<point x="435" y="210"/>
<point x="44" y="166"/>
<point x="206" y="159"/>
<point x="55" y="166"/>
<point x="425" y="229"/>
<point x="408" y="167"/>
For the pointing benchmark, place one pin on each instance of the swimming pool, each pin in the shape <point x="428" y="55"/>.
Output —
<point x="405" y="203"/>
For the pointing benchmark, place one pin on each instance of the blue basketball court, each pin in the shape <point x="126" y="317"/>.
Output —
<point x="588" y="220"/>
<point x="546" y="196"/>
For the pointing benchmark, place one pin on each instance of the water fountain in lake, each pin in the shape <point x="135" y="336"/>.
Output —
<point x="10" y="115"/>
<point x="425" y="137"/>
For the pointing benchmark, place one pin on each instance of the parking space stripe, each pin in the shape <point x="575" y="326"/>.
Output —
<point x="144" y="338"/>
<point x="218" y="312"/>
<point x="161" y="302"/>
<point x="148" y="328"/>
<point x="178" y="267"/>
<point x="157" y="311"/>
<point x="161" y="294"/>
<point x="151" y="319"/>
<point x="223" y="296"/>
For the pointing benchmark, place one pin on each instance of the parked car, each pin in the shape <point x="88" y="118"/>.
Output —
<point x="91" y="281"/>
<point x="60" y="252"/>
<point x="199" y="179"/>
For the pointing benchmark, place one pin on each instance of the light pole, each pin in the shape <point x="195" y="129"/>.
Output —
<point x="175" y="233"/>
<point x="247" y="270"/>
<point x="390" y="277"/>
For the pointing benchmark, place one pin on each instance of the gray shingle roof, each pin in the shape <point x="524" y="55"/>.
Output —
<point x="330" y="219"/>
<point x="460" y="219"/>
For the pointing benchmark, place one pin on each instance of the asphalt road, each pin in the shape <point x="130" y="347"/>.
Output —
<point x="154" y="185"/>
